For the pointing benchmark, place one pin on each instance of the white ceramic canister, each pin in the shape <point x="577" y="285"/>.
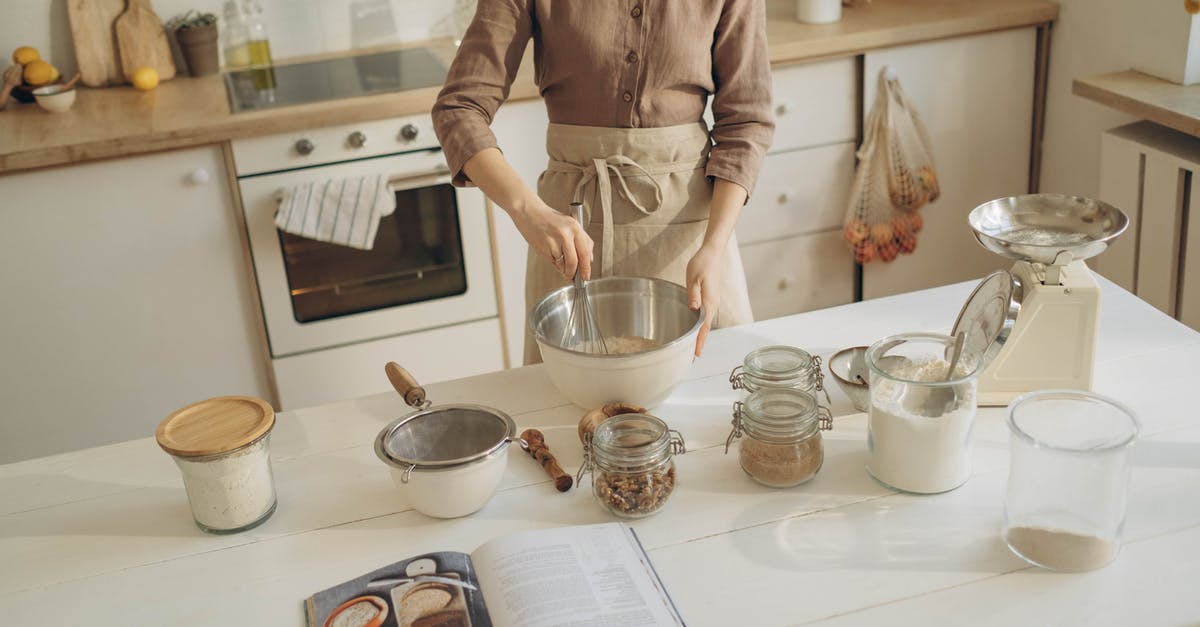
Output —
<point x="221" y="448"/>
<point x="818" y="11"/>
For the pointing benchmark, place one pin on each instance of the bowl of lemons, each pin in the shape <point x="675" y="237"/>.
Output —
<point x="40" y="81"/>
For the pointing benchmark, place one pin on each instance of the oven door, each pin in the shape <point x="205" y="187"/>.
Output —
<point x="431" y="265"/>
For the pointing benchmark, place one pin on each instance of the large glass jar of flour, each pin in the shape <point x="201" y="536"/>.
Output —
<point x="920" y="420"/>
<point x="220" y="446"/>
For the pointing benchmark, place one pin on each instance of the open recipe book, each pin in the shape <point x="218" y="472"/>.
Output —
<point x="585" y="575"/>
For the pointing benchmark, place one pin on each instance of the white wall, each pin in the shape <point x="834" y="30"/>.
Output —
<point x="1090" y="37"/>
<point x="295" y="27"/>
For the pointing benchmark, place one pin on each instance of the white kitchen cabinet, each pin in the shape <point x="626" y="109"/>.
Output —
<point x="798" y="274"/>
<point x="520" y="129"/>
<point x="975" y="95"/>
<point x="798" y="192"/>
<point x="126" y="297"/>
<point x="814" y="103"/>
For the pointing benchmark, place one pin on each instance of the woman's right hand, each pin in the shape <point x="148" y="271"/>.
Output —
<point x="556" y="237"/>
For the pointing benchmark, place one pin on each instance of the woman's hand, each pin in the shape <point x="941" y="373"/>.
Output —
<point x="556" y="237"/>
<point x="704" y="287"/>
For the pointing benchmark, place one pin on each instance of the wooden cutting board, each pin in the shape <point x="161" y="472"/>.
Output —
<point x="95" y="40"/>
<point x="142" y="41"/>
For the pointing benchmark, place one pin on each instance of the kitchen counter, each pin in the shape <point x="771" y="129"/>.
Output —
<point x="183" y="112"/>
<point x="104" y="536"/>
<point x="1147" y="97"/>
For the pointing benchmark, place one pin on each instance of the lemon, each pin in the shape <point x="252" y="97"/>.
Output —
<point x="25" y="54"/>
<point x="145" y="78"/>
<point x="39" y="72"/>
<point x="1191" y="6"/>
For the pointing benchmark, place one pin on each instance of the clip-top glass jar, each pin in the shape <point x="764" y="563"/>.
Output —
<point x="782" y="447"/>
<point x="779" y="367"/>
<point x="221" y="448"/>
<point x="630" y="458"/>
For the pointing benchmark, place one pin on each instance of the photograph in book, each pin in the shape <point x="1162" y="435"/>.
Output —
<point x="583" y="575"/>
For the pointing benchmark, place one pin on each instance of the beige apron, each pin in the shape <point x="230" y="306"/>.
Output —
<point x="647" y="201"/>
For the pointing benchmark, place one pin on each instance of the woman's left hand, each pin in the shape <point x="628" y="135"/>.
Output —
<point x="704" y="287"/>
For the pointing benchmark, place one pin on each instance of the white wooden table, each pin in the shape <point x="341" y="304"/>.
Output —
<point x="104" y="536"/>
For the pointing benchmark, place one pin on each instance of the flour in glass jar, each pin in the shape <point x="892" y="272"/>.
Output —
<point x="232" y="491"/>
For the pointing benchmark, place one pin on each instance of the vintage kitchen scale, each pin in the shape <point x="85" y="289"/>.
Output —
<point x="1035" y="325"/>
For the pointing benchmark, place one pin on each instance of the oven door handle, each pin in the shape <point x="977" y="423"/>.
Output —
<point x="437" y="176"/>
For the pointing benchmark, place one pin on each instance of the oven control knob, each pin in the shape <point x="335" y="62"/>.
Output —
<point x="409" y="132"/>
<point x="357" y="139"/>
<point x="304" y="147"/>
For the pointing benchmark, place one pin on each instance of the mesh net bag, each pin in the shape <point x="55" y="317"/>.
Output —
<point x="894" y="178"/>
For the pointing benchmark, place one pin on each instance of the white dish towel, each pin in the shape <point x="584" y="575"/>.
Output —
<point x="340" y="211"/>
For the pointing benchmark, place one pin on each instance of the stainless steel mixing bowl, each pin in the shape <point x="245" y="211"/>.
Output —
<point x="634" y="307"/>
<point x="1041" y="227"/>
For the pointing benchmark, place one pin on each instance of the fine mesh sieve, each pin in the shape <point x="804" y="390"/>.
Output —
<point x="444" y="437"/>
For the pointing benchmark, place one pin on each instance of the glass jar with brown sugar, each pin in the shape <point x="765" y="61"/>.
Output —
<point x="782" y="444"/>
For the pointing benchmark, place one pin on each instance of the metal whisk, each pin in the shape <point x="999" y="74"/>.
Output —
<point x="581" y="321"/>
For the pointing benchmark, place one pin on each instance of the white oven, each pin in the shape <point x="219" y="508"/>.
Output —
<point x="424" y="296"/>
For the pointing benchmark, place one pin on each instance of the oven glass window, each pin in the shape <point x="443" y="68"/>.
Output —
<point x="417" y="256"/>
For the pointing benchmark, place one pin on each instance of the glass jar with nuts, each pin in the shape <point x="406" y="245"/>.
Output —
<point x="630" y="458"/>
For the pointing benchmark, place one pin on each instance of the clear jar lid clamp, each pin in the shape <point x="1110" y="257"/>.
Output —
<point x="656" y="452"/>
<point x="779" y="366"/>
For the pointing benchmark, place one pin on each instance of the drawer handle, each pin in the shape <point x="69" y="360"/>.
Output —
<point x="784" y="197"/>
<point x="783" y="108"/>
<point x="783" y="284"/>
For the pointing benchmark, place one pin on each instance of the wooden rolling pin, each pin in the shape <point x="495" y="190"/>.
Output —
<point x="534" y="443"/>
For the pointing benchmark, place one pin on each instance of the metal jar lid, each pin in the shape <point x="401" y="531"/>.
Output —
<point x="989" y="314"/>
<point x="444" y="437"/>
<point x="215" y="426"/>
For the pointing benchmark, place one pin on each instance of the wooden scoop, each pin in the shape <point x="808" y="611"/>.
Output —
<point x="534" y="443"/>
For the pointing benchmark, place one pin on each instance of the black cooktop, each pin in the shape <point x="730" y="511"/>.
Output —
<point x="330" y="79"/>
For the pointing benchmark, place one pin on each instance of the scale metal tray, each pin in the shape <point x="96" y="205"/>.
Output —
<point x="1051" y="229"/>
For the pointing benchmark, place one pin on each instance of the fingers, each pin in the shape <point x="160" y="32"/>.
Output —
<point x="702" y="336"/>
<point x="570" y="257"/>
<point x="694" y="294"/>
<point x="583" y="247"/>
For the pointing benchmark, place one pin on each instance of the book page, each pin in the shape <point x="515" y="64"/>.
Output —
<point x="582" y="576"/>
<point x="433" y="589"/>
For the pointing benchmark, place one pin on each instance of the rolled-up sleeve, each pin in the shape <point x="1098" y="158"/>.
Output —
<point x="743" y="126"/>
<point x="479" y="80"/>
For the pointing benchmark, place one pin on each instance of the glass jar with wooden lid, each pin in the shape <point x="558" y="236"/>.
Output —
<point x="221" y="448"/>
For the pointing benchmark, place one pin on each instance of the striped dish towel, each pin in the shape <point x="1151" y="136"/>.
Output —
<point x="341" y="211"/>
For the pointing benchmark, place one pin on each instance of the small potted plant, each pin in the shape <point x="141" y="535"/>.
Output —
<point x="197" y="36"/>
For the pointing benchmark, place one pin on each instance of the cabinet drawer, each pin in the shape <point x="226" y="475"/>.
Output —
<point x="798" y="274"/>
<point x="815" y="104"/>
<point x="798" y="192"/>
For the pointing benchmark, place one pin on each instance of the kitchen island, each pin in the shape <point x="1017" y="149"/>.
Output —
<point x="104" y="536"/>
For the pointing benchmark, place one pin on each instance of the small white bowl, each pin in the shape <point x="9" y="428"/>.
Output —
<point x="54" y="98"/>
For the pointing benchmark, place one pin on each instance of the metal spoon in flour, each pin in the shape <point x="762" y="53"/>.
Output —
<point x="941" y="398"/>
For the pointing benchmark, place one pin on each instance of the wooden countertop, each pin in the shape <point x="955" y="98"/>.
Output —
<point x="103" y="536"/>
<point x="119" y="121"/>
<point x="1147" y="97"/>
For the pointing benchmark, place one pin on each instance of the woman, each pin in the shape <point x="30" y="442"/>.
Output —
<point x="625" y="84"/>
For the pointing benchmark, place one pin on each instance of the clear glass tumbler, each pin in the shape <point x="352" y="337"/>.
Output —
<point x="1068" y="484"/>
<point x="920" y="420"/>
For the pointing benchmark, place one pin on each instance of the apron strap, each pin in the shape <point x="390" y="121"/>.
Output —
<point x="602" y="171"/>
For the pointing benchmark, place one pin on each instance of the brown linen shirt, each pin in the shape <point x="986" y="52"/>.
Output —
<point x="618" y="63"/>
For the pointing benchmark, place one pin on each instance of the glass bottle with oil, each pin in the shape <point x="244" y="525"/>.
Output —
<point x="258" y="46"/>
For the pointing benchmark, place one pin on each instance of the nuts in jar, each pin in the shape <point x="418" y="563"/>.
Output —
<point x="630" y="458"/>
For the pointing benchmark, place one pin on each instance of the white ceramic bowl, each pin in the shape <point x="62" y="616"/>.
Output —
<point x="447" y="460"/>
<point x="634" y="307"/>
<point x="54" y="98"/>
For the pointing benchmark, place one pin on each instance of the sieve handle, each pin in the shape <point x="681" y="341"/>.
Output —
<point x="534" y="443"/>
<point x="405" y="384"/>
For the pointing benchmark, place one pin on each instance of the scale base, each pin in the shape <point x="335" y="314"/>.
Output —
<point x="1053" y="341"/>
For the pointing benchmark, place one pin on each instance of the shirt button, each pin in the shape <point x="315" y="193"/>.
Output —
<point x="636" y="12"/>
<point x="627" y="97"/>
<point x="631" y="57"/>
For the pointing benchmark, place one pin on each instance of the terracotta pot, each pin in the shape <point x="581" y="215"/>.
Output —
<point x="199" y="47"/>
